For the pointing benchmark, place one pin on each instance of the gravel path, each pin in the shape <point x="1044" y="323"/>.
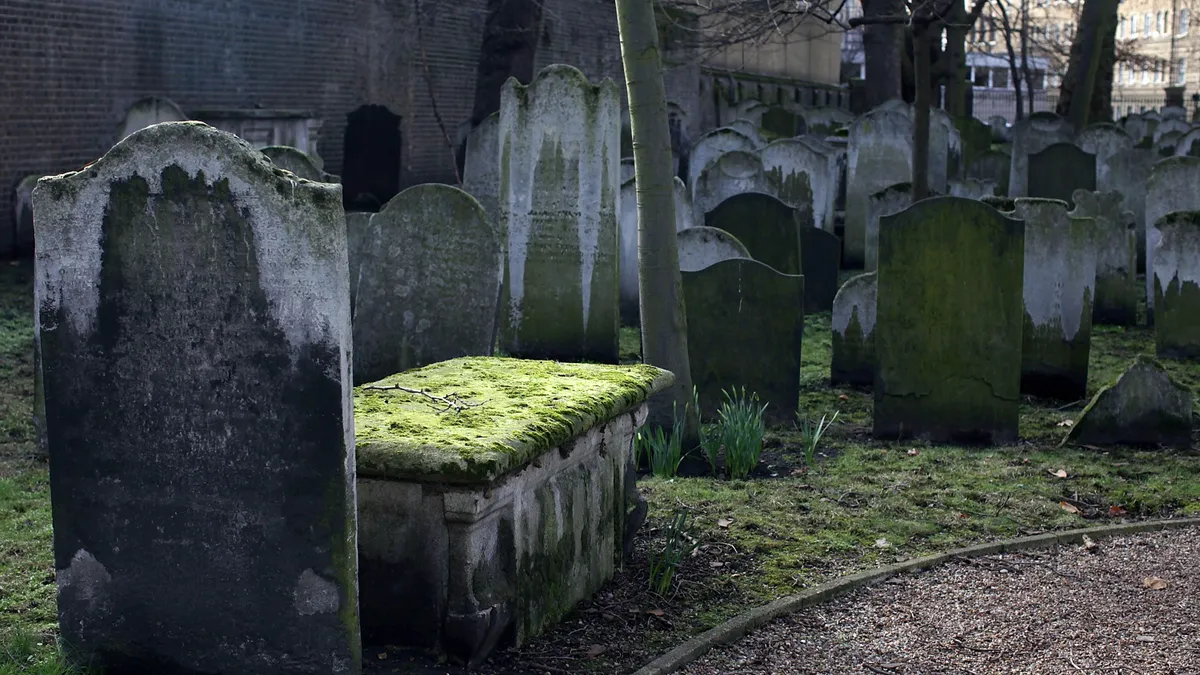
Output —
<point x="1125" y="605"/>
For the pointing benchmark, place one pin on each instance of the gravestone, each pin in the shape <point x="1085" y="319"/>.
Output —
<point x="1168" y="126"/>
<point x="1166" y="144"/>
<point x="804" y="176"/>
<point x="749" y="130"/>
<point x="853" y="341"/>
<point x="820" y="263"/>
<point x="835" y="193"/>
<point x="1187" y="145"/>
<point x="730" y="174"/>
<point x="880" y="154"/>
<point x="1001" y="132"/>
<point x="1127" y="171"/>
<point x="1059" y="284"/>
<point x="481" y="170"/>
<point x="766" y="226"/>
<point x="1170" y="187"/>
<point x="1115" y="299"/>
<point x="1137" y="127"/>
<point x="973" y="188"/>
<point x="21" y="241"/>
<point x="712" y="145"/>
<point x="992" y="165"/>
<point x="745" y="329"/>
<point x="1144" y="407"/>
<point x="627" y="226"/>
<point x="628" y="172"/>
<point x="149" y="111"/>
<point x="1057" y="171"/>
<point x="194" y="336"/>
<point x="948" y="323"/>
<point x="1032" y="135"/>
<point x="750" y="110"/>
<point x="976" y="139"/>
<point x="783" y="122"/>
<point x="429" y="271"/>
<point x="703" y="246"/>
<point x="1176" y="265"/>
<point x="1103" y="140"/>
<point x="893" y="199"/>
<point x="295" y="161"/>
<point x="945" y="150"/>
<point x="559" y="184"/>
<point x="1174" y="112"/>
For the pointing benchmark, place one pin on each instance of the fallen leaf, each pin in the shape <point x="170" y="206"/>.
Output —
<point x="1068" y="507"/>
<point x="882" y="543"/>
<point x="1065" y="423"/>
<point x="656" y="612"/>
<point x="381" y="656"/>
<point x="801" y="470"/>
<point x="724" y="522"/>
<point x="1155" y="583"/>
<point x="1115" y="510"/>
<point x="1061" y="473"/>
<point x="914" y="452"/>
<point x="1089" y="545"/>
<point x="1025" y="460"/>
<point x="843" y="397"/>
<point x="595" y="650"/>
<point x="963" y="516"/>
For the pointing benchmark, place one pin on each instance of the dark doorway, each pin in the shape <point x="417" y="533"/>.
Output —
<point x="371" y="158"/>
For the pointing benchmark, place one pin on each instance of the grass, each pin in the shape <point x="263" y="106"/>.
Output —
<point x="865" y="503"/>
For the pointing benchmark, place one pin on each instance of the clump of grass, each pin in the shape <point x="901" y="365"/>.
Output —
<point x="23" y="652"/>
<point x="810" y="436"/>
<point x="664" y="453"/>
<point x="741" y="430"/>
<point x="710" y="441"/>
<point x="679" y="545"/>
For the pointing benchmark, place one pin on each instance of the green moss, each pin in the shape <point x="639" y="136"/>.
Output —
<point x="1175" y="310"/>
<point x="518" y="410"/>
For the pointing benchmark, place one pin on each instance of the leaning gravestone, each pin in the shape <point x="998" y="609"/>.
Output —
<point x="1127" y="171"/>
<point x="1171" y="187"/>
<point x="1059" y="170"/>
<point x="820" y="263"/>
<point x="853" y="343"/>
<point x="1177" y="286"/>
<point x="429" y="270"/>
<point x="766" y="226"/>
<point x="745" y="329"/>
<point x="1059" y="284"/>
<point x="880" y="154"/>
<point x="731" y="174"/>
<point x="948" y="322"/>
<point x="194" y="335"/>
<point x="1144" y="407"/>
<point x="481" y="170"/>
<point x="1032" y="135"/>
<point x="893" y="199"/>
<point x="804" y="177"/>
<point x="703" y="246"/>
<point x="1115" y="298"/>
<point x="992" y="165"/>
<point x="295" y="161"/>
<point x="559" y="172"/>
<point x="712" y="145"/>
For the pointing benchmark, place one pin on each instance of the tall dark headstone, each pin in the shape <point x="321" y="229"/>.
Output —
<point x="767" y="227"/>
<point x="1059" y="170"/>
<point x="820" y="262"/>
<point x="194" y="334"/>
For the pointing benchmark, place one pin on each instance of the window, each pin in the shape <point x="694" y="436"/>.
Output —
<point x="1181" y="71"/>
<point x="1000" y="78"/>
<point x="991" y="30"/>
<point x="1133" y="26"/>
<point x="1121" y="28"/>
<point x="1161" y="23"/>
<point x="1147" y="24"/>
<point x="1183" y="22"/>
<point x="1039" y="79"/>
<point x="1145" y="75"/>
<point x="979" y="77"/>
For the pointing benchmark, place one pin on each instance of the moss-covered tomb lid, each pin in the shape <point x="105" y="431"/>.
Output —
<point x="516" y="410"/>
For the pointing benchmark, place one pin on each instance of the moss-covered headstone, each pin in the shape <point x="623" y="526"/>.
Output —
<point x="1116" y="294"/>
<point x="976" y="138"/>
<point x="890" y="200"/>
<point x="805" y="177"/>
<point x="820" y="263"/>
<point x="853" y="343"/>
<point x="711" y="146"/>
<point x="879" y="155"/>
<point x="1170" y="187"/>
<point x="429" y="267"/>
<point x="1060" y="169"/>
<point x="730" y="174"/>
<point x="1059" y="283"/>
<point x="766" y="226"/>
<point x="1177" y="286"/>
<point x="1144" y="407"/>
<point x="481" y="169"/>
<point x="745" y="329"/>
<point x="991" y="165"/>
<point x="1103" y="140"/>
<point x="1032" y="135"/>
<point x="703" y="246"/>
<point x="973" y="188"/>
<point x="296" y="161"/>
<point x="559" y="180"/>
<point x="1127" y="172"/>
<point x="194" y="335"/>
<point x="948" y="322"/>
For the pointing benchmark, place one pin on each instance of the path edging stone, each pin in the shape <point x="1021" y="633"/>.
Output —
<point x="734" y="629"/>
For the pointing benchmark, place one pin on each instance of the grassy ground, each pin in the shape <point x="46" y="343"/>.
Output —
<point x="865" y="503"/>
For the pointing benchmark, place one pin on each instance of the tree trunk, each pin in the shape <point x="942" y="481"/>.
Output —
<point x="1079" y="84"/>
<point x="664" y="321"/>
<point x="883" y="47"/>
<point x="1101" y="109"/>
<point x="954" y="60"/>
<point x="1013" y="65"/>
<point x="1029" y="88"/>
<point x="921" y="105"/>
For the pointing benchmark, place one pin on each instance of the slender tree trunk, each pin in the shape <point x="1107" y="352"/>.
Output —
<point x="1079" y="84"/>
<point x="958" y="22"/>
<point x="664" y="321"/>
<point x="883" y="48"/>
<point x="1029" y="88"/>
<point x="921" y="105"/>
<point x="1101" y="108"/>
<point x="1013" y="67"/>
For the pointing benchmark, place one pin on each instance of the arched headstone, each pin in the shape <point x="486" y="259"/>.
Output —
<point x="1171" y="187"/>
<point x="765" y="225"/>
<point x="1115" y="298"/>
<point x="1058" y="170"/>
<point x="1128" y="171"/>
<point x="1166" y="144"/>
<point x="149" y="111"/>
<point x="703" y="246"/>
<point x="805" y="177"/>
<point x="879" y="155"/>
<point x="992" y="165"/>
<point x="712" y="145"/>
<point x="481" y="169"/>
<point x="853" y="343"/>
<point x="1176" y="265"/>
<point x="730" y="174"/>
<point x="1187" y="145"/>
<point x="1169" y="125"/>
<point x="1031" y="135"/>
<point x="1103" y="140"/>
<point x="295" y="161"/>
<point x="194" y="342"/>
<point x="890" y="200"/>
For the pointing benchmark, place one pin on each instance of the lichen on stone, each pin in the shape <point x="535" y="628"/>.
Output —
<point x="517" y="410"/>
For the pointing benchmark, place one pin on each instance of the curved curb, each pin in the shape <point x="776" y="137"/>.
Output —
<point x="740" y="625"/>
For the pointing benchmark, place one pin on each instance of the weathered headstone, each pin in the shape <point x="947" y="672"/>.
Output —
<point x="194" y="335"/>
<point x="1103" y="140"/>
<point x="1170" y="187"/>
<point x="1059" y="284"/>
<point x="1032" y="135"/>
<point x="880" y="154"/>
<point x="804" y="176"/>
<point x="1174" y="112"/>
<point x="745" y="329"/>
<point x="712" y="145"/>
<point x="1170" y="125"/>
<point x="429" y="270"/>
<point x="1166" y="144"/>
<point x="1057" y="171"/>
<point x="973" y="188"/>
<point x="835" y="160"/>
<point x="628" y="171"/>
<point x="481" y="170"/>
<point x="295" y="161"/>
<point x="1001" y="132"/>
<point x="149" y="111"/>
<point x="945" y="150"/>
<point x="1177" y="286"/>
<point x="730" y="174"/>
<point x="1137" y="127"/>
<point x="1187" y="145"/>
<point x="992" y="165"/>
<point x="21" y="241"/>
<point x="820" y="263"/>
<point x="703" y="246"/>
<point x="1115" y="298"/>
<point x="749" y="130"/>
<point x="893" y="199"/>
<point x="559" y="184"/>
<point x="766" y="226"/>
<point x="783" y="123"/>
<point x="976" y="139"/>
<point x="1127" y="172"/>
<point x="853" y="342"/>
<point x="750" y="110"/>
<point x="948" y="322"/>
<point x="1145" y="407"/>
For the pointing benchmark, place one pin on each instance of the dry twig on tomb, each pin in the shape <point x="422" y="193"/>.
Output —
<point x="443" y="404"/>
